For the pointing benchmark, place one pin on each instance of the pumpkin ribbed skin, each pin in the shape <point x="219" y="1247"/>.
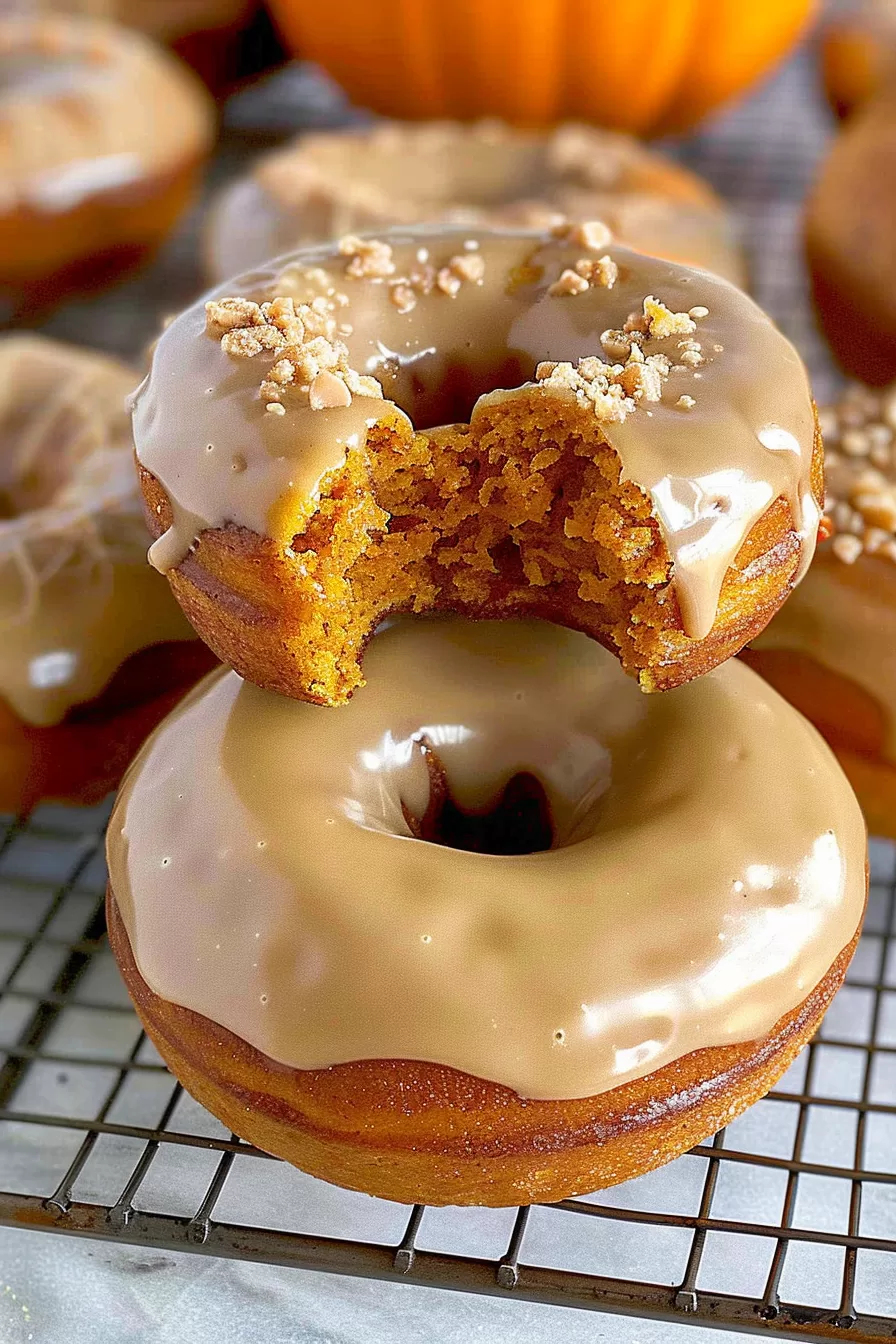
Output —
<point x="640" y="66"/>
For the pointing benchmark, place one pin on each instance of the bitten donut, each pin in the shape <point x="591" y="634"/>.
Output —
<point x="849" y="227"/>
<point x="831" y="650"/>
<point x="495" y="423"/>
<point x="501" y="930"/>
<point x="102" y="139"/>
<point x="327" y="183"/>
<point x="80" y="686"/>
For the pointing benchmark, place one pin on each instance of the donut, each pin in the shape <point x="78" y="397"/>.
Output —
<point x="502" y="929"/>
<point x="493" y="423"/>
<point x="102" y="139"/>
<point x="93" y="651"/>
<point x="831" y="650"/>
<point x="327" y="183"/>
<point x="858" y="54"/>
<point x="849" y="222"/>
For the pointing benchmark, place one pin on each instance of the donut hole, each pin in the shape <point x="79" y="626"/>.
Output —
<point x="517" y="820"/>
<point x="521" y="783"/>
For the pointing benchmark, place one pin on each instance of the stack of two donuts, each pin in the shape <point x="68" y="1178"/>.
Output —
<point x="478" y="921"/>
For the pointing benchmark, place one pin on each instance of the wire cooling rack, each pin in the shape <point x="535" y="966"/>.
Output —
<point x="784" y="1223"/>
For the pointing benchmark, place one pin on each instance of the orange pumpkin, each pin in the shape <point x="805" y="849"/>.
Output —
<point x="638" y="65"/>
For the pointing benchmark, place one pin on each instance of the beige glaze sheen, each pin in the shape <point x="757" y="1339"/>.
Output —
<point x="88" y="107"/>
<point x="710" y="471"/>
<point x="709" y="866"/>
<point x="76" y="596"/>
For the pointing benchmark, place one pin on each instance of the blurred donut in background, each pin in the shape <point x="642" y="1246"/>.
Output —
<point x="103" y="137"/>
<point x="831" y="649"/>
<point x="328" y="183"/>
<point x="850" y="226"/>
<point x="858" y="54"/>
<point x="93" y="649"/>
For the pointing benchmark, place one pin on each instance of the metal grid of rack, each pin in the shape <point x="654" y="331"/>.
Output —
<point x="98" y="1140"/>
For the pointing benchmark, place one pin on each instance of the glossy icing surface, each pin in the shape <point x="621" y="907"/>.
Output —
<point x="76" y="596"/>
<point x="711" y="469"/>
<point x="708" y="862"/>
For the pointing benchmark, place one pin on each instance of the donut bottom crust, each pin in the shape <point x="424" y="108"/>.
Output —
<point x="848" y="718"/>
<point x="415" y="1132"/>
<point x="80" y="760"/>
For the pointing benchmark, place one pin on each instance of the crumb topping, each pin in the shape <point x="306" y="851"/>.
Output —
<point x="859" y="468"/>
<point x="592" y="234"/>
<point x="368" y="259"/>
<point x="373" y="260"/>
<point x="587" y="274"/>
<point x="309" y="362"/>
<point x="641" y="361"/>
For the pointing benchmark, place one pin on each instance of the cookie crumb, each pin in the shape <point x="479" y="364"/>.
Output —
<point x="662" y="321"/>
<point x="369" y="259"/>
<point x="310" y="363"/>
<point x="847" y="548"/>
<point x="593" y="234"/>
<point x="860" y="472"/>
<point x="568" y="283"/>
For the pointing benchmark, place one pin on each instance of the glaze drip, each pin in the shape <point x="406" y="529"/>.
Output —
<point x="728" y="431"/>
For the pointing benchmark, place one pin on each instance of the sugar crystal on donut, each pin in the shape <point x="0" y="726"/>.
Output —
<point x="637" y="459"/>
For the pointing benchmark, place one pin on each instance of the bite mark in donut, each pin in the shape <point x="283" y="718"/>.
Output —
<point x="340" y="438"/>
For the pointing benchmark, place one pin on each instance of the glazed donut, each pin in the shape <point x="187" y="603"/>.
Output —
<point x="102" y="138"/>
<point x="454" y="1019"/>
<point x="849" y="223"/>
<point x="433" y="421"/>
<point x="831" y="650"/>
<point x="79" y="685"/>
<point x="328" y="183"/>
